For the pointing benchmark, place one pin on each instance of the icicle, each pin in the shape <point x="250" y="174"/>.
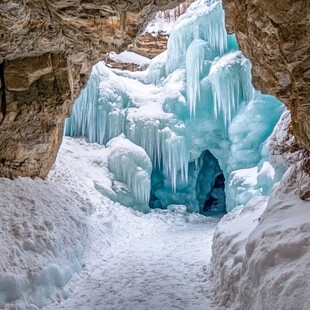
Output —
<point x="231" y="87"/>
<point x="166" y="149"/>
<point x="206" y="24"/>
<point x="98" y="114"/>
<point x="199" y="56"/>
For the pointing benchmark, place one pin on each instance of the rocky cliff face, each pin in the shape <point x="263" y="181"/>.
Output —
<point x="47" y="49"/>
<point x="275" y="36"/>
<point x="149" y="45"/>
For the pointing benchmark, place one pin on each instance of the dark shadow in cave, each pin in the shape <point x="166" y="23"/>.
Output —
<point x="210" y="186"/>
<point x="216" y="200"/>
<point x="205" y="192"/>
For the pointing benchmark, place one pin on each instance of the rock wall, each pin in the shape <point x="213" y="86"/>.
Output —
<point x="275" y="36"/>
<point x="47" y="49"/>
<point x="149" y="45"/>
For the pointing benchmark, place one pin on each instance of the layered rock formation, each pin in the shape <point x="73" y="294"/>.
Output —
<point x="47" y="49"/>
<point x="275" y="36"/>
<point x="149" y="45"/>
<point x="146" y="45"/>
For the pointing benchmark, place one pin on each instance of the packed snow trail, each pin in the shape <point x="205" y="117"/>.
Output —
<point x="162" y="270"/>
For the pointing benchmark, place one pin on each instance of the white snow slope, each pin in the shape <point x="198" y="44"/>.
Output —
<point x="261" y="253"/>
<point x="49" y="229"/>
<point x="43" y="233"/>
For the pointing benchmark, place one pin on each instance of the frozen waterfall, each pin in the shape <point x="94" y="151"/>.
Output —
<point x="193" y="110"/>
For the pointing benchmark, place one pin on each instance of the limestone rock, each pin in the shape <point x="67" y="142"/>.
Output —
<point x="149" y="45"/>
<point x="275" y="36"/>
<point x="47" y="49"/>
<point x="146" y="45"/>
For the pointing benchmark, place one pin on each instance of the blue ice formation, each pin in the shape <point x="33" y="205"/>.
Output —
<point x="195" y="113"/>
<point x="132" y="169"/>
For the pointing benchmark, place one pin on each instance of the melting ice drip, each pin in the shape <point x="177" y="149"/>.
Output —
<point x="197" y="96"/>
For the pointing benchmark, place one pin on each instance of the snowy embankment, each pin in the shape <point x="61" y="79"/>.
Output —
<point x="261" y="253"/>
<point x="130" y="57"/>
<point x="43" y="232"/>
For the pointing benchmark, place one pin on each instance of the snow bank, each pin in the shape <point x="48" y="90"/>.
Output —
<point x="43" y="232"/>
<point x="261" y="258"/>
<point x="120" y="172"/>
<point x="275" y="270"/>
<point x="228" y="249"/>
<point x="130" y="57"/>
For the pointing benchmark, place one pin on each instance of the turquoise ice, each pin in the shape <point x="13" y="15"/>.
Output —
<point x="195" y="113"/>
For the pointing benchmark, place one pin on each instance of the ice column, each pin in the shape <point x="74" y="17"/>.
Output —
<point x="207" y="24"/>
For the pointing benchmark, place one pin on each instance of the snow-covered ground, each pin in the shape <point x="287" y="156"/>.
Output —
<point x="159" y="265"/>
<point x="131" y="260"/>
<point x="135" y="261"/>
<point x="43" y="234"/>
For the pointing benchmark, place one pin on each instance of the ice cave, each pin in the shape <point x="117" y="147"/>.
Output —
<point x="193" y="111"/>
<point x="177" y="183"/>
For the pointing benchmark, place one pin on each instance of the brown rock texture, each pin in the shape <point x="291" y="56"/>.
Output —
<point x="149" y="45"/>
<point x="275" y="36"/>
<point x="47" y="49"/>
<point x="122" y="65"/>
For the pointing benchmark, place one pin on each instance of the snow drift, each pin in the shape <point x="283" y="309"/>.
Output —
<point x="43" y="233"/>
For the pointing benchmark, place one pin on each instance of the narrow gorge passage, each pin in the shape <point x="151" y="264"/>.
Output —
<point x="164" y="270"/>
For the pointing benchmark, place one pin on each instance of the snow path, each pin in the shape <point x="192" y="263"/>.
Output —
<point x="163" y="270"/>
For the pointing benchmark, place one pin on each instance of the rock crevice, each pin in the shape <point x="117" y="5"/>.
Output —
<point x="2" y="93"/>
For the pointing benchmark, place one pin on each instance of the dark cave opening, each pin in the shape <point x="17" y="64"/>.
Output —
<point x="210" y="184"/>
<point x="204" y="192"/>
<point x="216" y="200"/>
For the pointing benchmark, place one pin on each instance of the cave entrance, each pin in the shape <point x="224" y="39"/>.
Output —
<point x="216" y="200"/>
<point x="210" y="185"/>
<point x="204" y="192"/>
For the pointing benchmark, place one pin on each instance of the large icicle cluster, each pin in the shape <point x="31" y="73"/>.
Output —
<point x="197" y="96"/>
<point x="98" y="113"/>
<point x="204" y="20"/>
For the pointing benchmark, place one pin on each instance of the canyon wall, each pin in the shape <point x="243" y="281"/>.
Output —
<point x="47" y="49"/>
<point x="275" y="36"/>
